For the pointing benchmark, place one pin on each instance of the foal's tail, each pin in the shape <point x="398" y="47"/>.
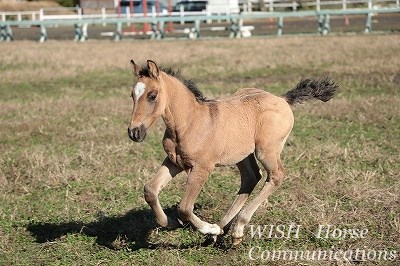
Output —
<point x="307" y="89"/>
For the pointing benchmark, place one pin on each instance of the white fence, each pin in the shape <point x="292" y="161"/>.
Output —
<point x="81" y="21"/>
<point x="247" y="6"/>
<point x="20" y="15"/>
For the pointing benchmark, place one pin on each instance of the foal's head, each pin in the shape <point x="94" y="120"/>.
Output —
<point x="148" y="99"/>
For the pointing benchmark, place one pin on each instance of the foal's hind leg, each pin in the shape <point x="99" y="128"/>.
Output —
<point x="250" y="175"/>
<point x="152" y="188"/>
<point x="271" y="162"/>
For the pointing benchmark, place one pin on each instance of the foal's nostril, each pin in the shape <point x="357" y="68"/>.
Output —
<point x="137" y="133"/>
<point x="130" y="133"/>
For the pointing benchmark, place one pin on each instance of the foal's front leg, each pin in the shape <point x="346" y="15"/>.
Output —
<point x="167" y="171"/>
<point x="196" y="179"/>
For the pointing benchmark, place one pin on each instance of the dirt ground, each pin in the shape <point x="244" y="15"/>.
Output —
<point x="382" y="22"/>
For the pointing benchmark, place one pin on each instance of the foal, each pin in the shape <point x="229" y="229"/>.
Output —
<point x="202" y="134"/>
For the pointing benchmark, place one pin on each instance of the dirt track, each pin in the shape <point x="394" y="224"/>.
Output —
<point x="383" y="22"/>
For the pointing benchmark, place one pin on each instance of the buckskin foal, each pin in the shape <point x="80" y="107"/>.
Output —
<point x="201" y="134"/>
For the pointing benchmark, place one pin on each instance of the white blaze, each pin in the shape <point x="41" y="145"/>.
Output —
<point x="139" y="90"/>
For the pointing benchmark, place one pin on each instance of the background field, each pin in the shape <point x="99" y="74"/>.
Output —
<point x="71" y="181"/>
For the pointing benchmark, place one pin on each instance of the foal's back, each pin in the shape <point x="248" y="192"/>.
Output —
<point x="256" y="106"/>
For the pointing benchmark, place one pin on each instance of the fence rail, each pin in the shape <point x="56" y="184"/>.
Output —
<point x="270" y="5"/>
<point x="294" y="5"/>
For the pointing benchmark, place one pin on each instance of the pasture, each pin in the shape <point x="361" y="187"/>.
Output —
<point x="71" y="181"/>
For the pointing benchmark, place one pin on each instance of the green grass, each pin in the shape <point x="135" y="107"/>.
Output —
<point x="71" y="181"/>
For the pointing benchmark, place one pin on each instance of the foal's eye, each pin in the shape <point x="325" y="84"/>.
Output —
<point x="152" y="96"/>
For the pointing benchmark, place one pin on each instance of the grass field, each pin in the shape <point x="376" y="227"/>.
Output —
<point x="71" y="181"/>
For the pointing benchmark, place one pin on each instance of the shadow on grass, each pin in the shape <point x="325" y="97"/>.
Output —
<point x="131" y="230"/>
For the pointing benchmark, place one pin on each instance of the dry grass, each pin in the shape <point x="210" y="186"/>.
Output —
<point x="71" y="181"/>
<point x="197" y="59"/>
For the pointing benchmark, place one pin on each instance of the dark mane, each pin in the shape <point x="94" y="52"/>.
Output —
<point x="187" y="82"/>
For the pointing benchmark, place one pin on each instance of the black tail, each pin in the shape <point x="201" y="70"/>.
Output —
<point x="307" y="89"/>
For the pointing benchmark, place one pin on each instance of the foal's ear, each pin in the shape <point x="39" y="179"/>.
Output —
<point x="153" y="69"/>
<point x="135" y="68"/>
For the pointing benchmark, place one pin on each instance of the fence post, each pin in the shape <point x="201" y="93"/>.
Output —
<point x="232" y="34"/>
<point x="197" y="28"/>
<point x="2" y="32"/>
<point x="326" y="26"/>
<point x="9" y="33"/>
<point x="368" y="24"/>
<point x="78" y="32"/>
<point x="79" y="11"/>
<point x="208" y="12"/>
<point x="181" y="13"/>
<point x="320" y="21"/>
<point x="118" y="33"/>
<point x="103" y="15"/>
<point x="271" y="5"/>
<point x="43" y="33"/>
<point x="153" y="26"/>
<point x="318" y="5"/>
<point x="161" y="30"/>
<point x="84" y="32"/>
<point x="240" y="24"/>
<point x="346" y="18"/>
<point x="128" y="15"/>
<point x="6" y="33"/>
<point x="41" y="14"/>
<point x="280" y="26"/>
<point x="236" y="28"/>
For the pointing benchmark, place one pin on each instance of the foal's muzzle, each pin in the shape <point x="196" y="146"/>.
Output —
<point x="137" y="134"/>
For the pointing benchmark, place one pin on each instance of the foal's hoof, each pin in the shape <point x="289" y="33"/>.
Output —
<point x="210" y="240"/>
<point x="220" y="243"/>
<point x="216" y="241"/>
<point x="236" y="240"/>
<point x="174" y="223"/>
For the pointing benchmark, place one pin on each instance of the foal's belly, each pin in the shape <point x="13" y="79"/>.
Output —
<point x="232" y="154"/>
<point x="232" y="160"/>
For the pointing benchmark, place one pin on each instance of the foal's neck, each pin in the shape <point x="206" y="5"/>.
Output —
<point x="181" y="106"/>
